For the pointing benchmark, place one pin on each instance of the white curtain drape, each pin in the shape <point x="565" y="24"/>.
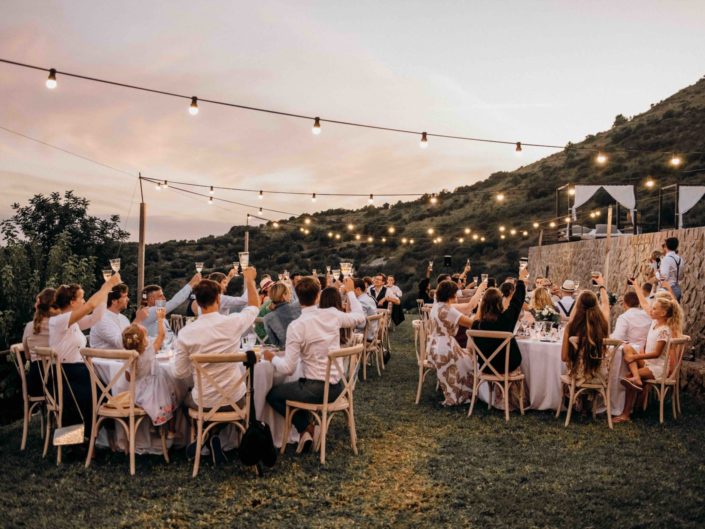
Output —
<point x="582" y="195"/>
<point x="624" y="195"/>
<point x="688" y="196"/>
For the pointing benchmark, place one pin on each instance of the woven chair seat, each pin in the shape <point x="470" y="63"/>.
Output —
<point x="110" y="411"/>
<point x="340" y="405"/>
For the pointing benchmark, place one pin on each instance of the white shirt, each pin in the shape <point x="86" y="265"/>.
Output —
<point x="632" y="327"/>
<point x="107" y="333"/>
<point x="567" y="302"/>
<point x="31" y="340"/>
<point x="67" y="340"/>
<point x="150" y="322"/>
<point x="213" y="333"/>
<point x="369" y="307"/>
<point x="394" y="292"/>
<point x="671" y="270"/>
<point x="313" y="335"/>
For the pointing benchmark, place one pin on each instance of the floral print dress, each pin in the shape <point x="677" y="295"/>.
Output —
<point x="453" y="364"/>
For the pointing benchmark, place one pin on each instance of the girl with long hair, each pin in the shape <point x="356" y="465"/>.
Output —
<point x="36" y="334"/>
<point x="330" y="297"/>
<point x="588" y="325"/>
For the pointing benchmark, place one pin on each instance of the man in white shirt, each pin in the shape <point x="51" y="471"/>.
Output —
<point x="369" y="307"/>
<point x="565" y="304"/>
<point x="672" y="266"/>
<point x="107" y="333"/>
<point x="633" y="324"/>
<point x="153" y="293"/>
<point x="309" y="339"/>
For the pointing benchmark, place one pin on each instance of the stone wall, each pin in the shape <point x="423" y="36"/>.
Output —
<point x="630" y="256"/>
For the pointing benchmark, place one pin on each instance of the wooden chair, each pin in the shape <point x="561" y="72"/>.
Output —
<point x="419" y="305"/>
<point x="599" y="386"/>
<point x="210" y="417"/>
<point x="386" y="341"/>
<point x="53" y="394"/>
<point x="494" y="378"/>
<point x="426" y="311"/>
<point x="323" y="413"/>
<point x="176" y="322"/>
<point x="29" y="404"/>
<point x="383" y="332"/>
<point x="670" y="379"/>
<point x="420" y="345"/>
<point x="108" y="406"/>
<point x="373" y="346"/>
<point x="260" y="341"/>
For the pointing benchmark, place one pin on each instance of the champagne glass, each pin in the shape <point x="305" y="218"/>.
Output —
<point x="577" y="285"/>
<point x="199" y="267"/>
<point x="328" y="269"/>
<point x="474" y="280"/>
<point x="236" y="266"/>
<point x="314" y="272"/>
<point x="286" y="274"/>
<point x="336" y="274"/>
<point x="161" y="308"/>
<point x="244" y="259"/>
<point x="484" y="277"/>
<point x="107" y="274"/>
<point x="115" y="265"/>
<point x="430" y="265"/>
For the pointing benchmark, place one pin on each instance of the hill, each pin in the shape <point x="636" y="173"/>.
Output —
<point x="674" y="125"/>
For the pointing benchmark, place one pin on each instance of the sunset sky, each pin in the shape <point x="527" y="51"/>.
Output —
<point x="530" y="71"/>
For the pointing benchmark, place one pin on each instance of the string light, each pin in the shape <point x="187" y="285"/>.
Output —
<point x="51" y="80"/>
<point x="404" y="240"/>
<point x="275" y="224"/>
<point x="502" y="236"/>
<point x="193" y="109"/>
<point x="601" y="158"/>
<point x="313" y="197"/>
<point x="384" y="239"/>
<point x="424" y="141"/>
<point x="461" y="240"/>
<point x="592" y="214"/>
<point x="567" y="220"/>
<point x="475" y="237"/>
<point x="307" y="220"/>
<point x="502" y="228"/>
<point x="675" y="161"/>
<point x="370" y="239"/>
<point x="307" y="231"/>
<point x="597" y="213"/>
<point x="552" y="224"/>
<point x="650" y="183"/>
<point x="536" y="224"/>
<point x="210" y="202"/>
<point x="357" y="236"/>
<point x="571" y="191"/>
<point x="301" y="229"/>
<point x="211" y="191"/>
<point x="434" y="199"/>
<point x="330" y="234"/>
<point x="429" y="231"/>
<point x="316" y="126"/>
<point x="261" y="195"/>
<point x="371" y="200"/>
<point x="525" y="233"/>
<point x="482" y="239"/>
<point x="467" y="231"/>
<point x="351" y="227"/>
<point x="337" y="236"/>
<point x="411" y="241"/>
<point x="512" y="231"/>
<point x="518" y="148"/>
<point x="500" y="197"/>
<point x="165" y="185"/>
<point x="260" y="211"/>
<point x="391" y="230"/>
<point x="440" y="239"/>
<point x="158" y="186"/>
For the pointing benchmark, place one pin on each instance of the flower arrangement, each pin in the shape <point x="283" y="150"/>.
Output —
<point x="547" y="314"/>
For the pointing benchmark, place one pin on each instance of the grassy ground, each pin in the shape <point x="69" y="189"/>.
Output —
<point x="418" y="466"/>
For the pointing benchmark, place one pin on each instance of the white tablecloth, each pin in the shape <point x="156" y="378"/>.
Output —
<point x="541" y="364"/>
<point x="149" y="442"/>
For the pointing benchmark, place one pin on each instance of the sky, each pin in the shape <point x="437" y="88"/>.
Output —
<point x="531" y="71"/>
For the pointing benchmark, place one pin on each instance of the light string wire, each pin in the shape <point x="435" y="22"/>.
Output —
<point x="318" y="119"/>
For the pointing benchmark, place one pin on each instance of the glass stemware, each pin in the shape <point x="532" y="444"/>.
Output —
<point x="107" y="274"/>
<point x="484" y="277"/>
<point x="236" y="266"/>
<point x="115" y="265"/>
<point x="199" y="267"/>
<point x="244" y="259"/>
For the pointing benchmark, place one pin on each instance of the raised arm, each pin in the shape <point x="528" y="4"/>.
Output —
<point x="356" y="316"/>
<point x="604" y="297"/>
<point x="95" y="302"/>
<point x="182" y="295"/>
<point x="640" y="294"/>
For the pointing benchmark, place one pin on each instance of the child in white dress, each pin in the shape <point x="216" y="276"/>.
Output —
<point x="155" y="390"/>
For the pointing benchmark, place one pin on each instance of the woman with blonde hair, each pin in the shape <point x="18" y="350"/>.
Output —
<point x="541" y="299"/>
<point x="652" y="360"/>
<point x="283" y="312"/>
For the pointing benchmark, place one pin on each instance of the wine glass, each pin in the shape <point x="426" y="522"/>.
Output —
<point x="430" y="265"/>
<point x="314" y="272"/>
<point x="199" y="267"/>
<point x="484" y="277"/>
<point x="328" y="269"/>
<point x="336" y="274"/>
<point x="115" y="265"/>
<point x="236" y="266"/>
<point x="577" y="285"/>
<point x="107" y="274"/>
<point x="161" y="308"/>
<point x="474" y="280"/>
<point x="244" y="259"/>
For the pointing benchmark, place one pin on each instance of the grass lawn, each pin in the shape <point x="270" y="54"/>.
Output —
<point x="418" y="466"/>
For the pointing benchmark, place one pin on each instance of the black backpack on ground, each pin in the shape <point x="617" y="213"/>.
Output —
<point x="256" y="446"/>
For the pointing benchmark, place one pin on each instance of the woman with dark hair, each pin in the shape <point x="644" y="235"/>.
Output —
<point x="588" y="326"/>
<point x="36" y="334"/>
<point x="453" y="364"/>
<point x="493" y="317"/>
<point x="330" y="297"/>
<point x="73" y="315"/>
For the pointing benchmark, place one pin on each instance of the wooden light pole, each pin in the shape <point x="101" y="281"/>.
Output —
<point x="141" y="245"/>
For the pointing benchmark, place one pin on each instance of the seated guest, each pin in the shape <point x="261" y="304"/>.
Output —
<point x="586" y="361"/>
<point x="36" y="334"/>
<point x="215" y="333"/>
<point x="633" y="324"/>
<point x="330" y="297"/>
<point x="155" y="388"/>
<point x="453" y="364"/>
<point x="228" y="304"/>
<point x="565" y="303"/>
<point x="264" y="305"/>
<point x="308" y="341"/>
<point x="153" y="293"/>
<point x="493" y="317"/>
<point x="283" y="312"/>
<point x="369" y="307"/>
<point x="394" y="297"/>
<point x="73" y="315"/>
<point x="649" y="292"/>
<point x="540" y="300"/>
<point x="107" y="333"/>
<point x="378" y="291"/>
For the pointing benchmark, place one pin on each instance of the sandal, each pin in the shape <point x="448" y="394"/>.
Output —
<point x="630" y="384"/>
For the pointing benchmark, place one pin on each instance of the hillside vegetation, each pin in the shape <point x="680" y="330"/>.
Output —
<point x="675" y="125"/>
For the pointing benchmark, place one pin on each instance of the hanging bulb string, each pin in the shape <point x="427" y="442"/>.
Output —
<point x="322" y="120"/>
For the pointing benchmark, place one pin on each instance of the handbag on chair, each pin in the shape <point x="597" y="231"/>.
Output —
<point x="256" y="446"/>
<point x="75" y="433"/>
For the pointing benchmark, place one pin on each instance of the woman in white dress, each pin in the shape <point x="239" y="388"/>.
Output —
<point x="155" y="390"/>
<point x="453" y="364"/>
<point x="75" y="315"/>
<point x="652" y="360"/>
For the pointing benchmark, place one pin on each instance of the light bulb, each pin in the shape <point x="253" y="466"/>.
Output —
<point x="482" y="239"/>
<point x="512" y="231"/>
<point x="502" y="236"/>
<point x="424" y="140"/>
<point x="51" y="80"/>
<point x="276" y="224"/>
<point x="567" y="220"/>
<point x="260" y="211"/>
<point x="384" y="239"/>
<point x="210" y="201"/>
<point x="552" y="224"/>
<point x="650" y="183"/>
<point x="330" y="234"/>
<point x="403" y="240"/>
<point x="371" y="200"/>
<point x="165" y="184"/>
<point x="500" y="197"/>
<point x="535" y="224"/>
<point x="313" y="197"/>
<point x="517" y="149"/>
<point x="502" y="228"/>
<point x="571" y="191"/>
<point x="357" y="237"/>
<point x="351" y="227"/>
<point x="601" y="158"/>
<point x="337" y="236"/>
<point x="475" y="237"/>
<point x="307" y="231"/>
<point x="676" y="161"/>
<point x="525" y="233"/>
<point x="440" y="239"/>
<point x="370" y="239"/>
<point x="434" y="199"/>
<point x="307" y="220"/>
<point x="316" y="126"/>
<point x="158" y="186"/>
<point x="592" y="214"/>
<point x="430" y="231"/>
<point x="211" y="191"/>
<point x="411" y="241"/>
<point x="467" y="231"/>
<point x="461" y="240"/>
<point x="193" y="109"/>
<point x="261" y="195"/>
<point x="301" y="229"/>
<point x="391" y="229"/>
